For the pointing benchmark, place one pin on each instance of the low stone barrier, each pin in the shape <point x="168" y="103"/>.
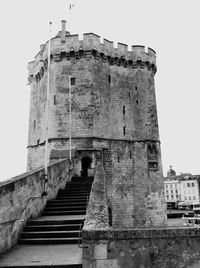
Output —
<point x="142" y="248"/>
<point x="24" y="197"/>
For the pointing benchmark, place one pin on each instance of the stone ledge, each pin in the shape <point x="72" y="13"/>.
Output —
<point x="28" y="173"/>
<point x="140" y="233"/>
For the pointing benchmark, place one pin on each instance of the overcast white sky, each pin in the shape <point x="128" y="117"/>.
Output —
<point x="170" y="27"/>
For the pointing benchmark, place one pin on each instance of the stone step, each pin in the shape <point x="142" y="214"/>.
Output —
<point x="79" y="185"/>
<point x="62" y="227"/>
<point x="66" y="207"/>
<point x="72" y="198"/>
<point x="74" y="192"/>
<point x="74" y="195"/>
<point x="70" y="190"/>
<point x="66" y="212"/>
<point x="66" y="203"/>
<point x="53" y="222"/>
<point x="76" y="178"/>
<point x="43" y="266"/>
<point x="49" y="241"/>
<point x="50" y="234"/>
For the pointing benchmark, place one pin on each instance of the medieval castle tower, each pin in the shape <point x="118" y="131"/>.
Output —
<point x="114" y="121"/>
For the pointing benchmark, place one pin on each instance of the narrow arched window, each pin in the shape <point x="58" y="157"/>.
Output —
<point x="109" y="79"/>
<point x="124" y="110"/>
<point x="110" y="216"/>
<point x="124" y="131"/>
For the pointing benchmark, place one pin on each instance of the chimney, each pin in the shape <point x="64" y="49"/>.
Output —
<point x="63" y="30"/>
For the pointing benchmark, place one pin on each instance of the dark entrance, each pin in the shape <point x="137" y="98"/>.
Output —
<point x="86" y="164"/>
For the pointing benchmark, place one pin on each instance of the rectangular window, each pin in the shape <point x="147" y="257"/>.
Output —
<point x="194" y="198"/>
<point x="189" y="197"/>
<point x="171" y="186"/>
<point x="167" y="191"/>
<point x="188" y="184"/>
<point x="124" y="130"/>
<point x="124" y="111"/>
<point x="172" y="197"/>
<point x="171" y="191"/>
<point x="176" y="191"/>
<point x="185" y="198"/>
<point x="153" y="165"/>
<point x="167" y="196"/>
<point x="109" y="79"/>
<point x="34" y="124"/>
<point x="192" y="184"/>
<point x="176" y="196"/>
<point x="166" y="185"/>
<point x="54" y="99"/>
<point x="73" y="81"/>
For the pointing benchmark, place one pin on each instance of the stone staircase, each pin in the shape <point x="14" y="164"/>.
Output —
<point x="61" y="221"/>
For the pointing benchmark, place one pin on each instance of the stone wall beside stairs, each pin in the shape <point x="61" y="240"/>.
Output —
<point x="22" y="198"/>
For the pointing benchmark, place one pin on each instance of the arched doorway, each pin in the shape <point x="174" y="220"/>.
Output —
<point x="86" y="164"/>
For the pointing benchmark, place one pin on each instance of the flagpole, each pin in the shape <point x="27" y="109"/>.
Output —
<point x="70" y="121"/>
<point x="47" y="102"/>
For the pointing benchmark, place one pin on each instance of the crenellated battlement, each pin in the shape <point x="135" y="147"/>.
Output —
<point x="64" y="45"/>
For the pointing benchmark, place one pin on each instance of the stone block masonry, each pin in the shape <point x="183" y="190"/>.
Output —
<point x="114" y="126"/>
<point x="21" y="198"/>
<point x="113" y="109"/>
<point x="142" y="248"/>
<point x="113" y="95"/>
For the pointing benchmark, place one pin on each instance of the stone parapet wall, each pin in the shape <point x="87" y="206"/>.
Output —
<point x="105" y="52"/>
<point x="97" y="212"/>
<point x="22" y="198"/>
<point x="142" y="248"/>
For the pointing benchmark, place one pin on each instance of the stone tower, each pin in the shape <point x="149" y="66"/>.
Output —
<point x="114" y="121"/>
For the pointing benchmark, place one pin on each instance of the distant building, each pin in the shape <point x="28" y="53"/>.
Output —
<point x="172" y="190"/>
<point x="189" y="189"/>
<point x="183" y="188"/>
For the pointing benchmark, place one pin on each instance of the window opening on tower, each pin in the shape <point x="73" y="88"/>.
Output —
<point x="109" y="79"/>
<point x="152" y="156"/>
<point x="124" y="130"/>
<point x="124" y="110"/>
<point x="54" y="99"/>
<point x="110" y="216"/>
<point x="73" y="81"/>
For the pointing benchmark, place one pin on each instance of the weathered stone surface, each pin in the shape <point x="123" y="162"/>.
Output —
<point x="113" y="108"/>
<point x="145" y="248"/>
<point x="21" y="199"/>
<point x="97" y="211"/>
